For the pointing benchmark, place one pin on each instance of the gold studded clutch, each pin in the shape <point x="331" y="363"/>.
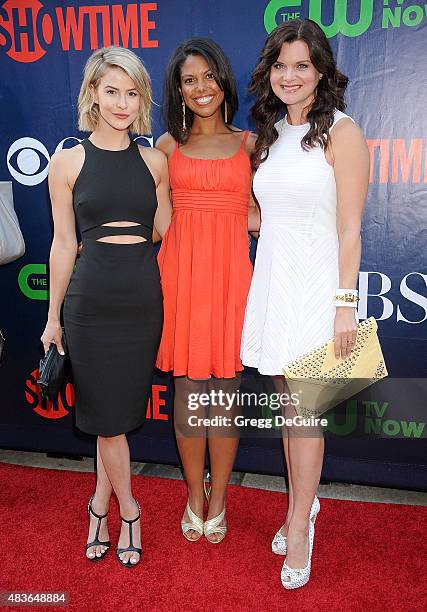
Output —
<point x="321" y="381"/>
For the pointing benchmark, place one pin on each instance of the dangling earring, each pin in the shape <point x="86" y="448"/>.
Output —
<point x="225" y="111"/>
<point x="184" y="127"/>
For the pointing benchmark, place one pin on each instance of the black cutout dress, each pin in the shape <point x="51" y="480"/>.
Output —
<point x="113" y="308"/>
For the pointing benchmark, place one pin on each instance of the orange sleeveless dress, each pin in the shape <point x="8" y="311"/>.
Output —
<point x="204" y="266"/>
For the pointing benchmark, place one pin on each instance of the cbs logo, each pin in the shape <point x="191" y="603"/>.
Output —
<point x="28" y="159"/>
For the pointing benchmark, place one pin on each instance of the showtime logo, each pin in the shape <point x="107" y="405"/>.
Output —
<point x="62" y="405"/>
<point x="27" y="29"/>
<point x="57" y="409"/>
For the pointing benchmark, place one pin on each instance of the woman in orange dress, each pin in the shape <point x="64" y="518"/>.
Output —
<point x="205" y="270"/>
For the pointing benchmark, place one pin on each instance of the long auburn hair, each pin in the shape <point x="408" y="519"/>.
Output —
<point x="172" y="100"/>
<point x="268" y="109"/>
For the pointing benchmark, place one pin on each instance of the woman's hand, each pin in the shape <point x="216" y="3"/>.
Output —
<point x="52" y="334"/>
<point x="345" y="331"/>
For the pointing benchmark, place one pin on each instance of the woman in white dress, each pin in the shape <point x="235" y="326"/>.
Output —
<point x="311" y="183"/>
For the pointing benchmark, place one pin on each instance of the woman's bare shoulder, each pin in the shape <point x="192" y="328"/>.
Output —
<point x="64" y="157"/>
<point x="67" y="163"/>
<point x="166" y="143"/>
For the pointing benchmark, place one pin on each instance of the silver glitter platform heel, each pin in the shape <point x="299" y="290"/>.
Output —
<point x="278" y="544"/>
<point x="295" y="578"/>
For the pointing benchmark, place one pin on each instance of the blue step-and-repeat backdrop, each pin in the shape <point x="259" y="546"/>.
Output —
<point x="379" y="438"/>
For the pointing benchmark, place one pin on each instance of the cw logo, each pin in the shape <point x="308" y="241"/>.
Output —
<point x="370" y="417"/>
<point x="339" y="22"/>
<point x="32" y="281"/>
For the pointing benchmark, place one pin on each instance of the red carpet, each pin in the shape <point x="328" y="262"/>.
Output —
<point x="367" y="557"/>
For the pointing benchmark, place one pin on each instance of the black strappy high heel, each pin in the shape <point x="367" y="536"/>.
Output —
<point x="96" y="541"/>
<point x="131" y="547"/>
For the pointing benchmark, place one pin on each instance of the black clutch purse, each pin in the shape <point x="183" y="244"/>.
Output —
<point x="53" y="371"/>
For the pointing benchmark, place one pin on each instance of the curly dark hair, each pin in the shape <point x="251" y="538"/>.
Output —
<point x="268" y="109"/>
<point x="221" y="69"/>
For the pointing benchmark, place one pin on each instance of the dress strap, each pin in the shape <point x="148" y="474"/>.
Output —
<point x="245" y="137"/>
<point x="176" y="148"/>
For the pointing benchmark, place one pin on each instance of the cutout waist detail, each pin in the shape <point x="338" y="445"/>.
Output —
<point x="105" y="231"/>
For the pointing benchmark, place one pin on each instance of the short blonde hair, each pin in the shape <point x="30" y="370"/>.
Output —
<point x="96" y="66"/>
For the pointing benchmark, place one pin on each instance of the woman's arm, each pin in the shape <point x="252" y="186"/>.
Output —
<point x="157" y="163"/>
<point x="254" y="217"/>
<point x="64" y="246"/>
<point x="351" y="168"/>
<point x="163" y="215"/>
<point x="166" y="144"/>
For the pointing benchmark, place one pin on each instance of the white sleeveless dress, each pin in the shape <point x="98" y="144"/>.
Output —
<point x="290" y="306"/>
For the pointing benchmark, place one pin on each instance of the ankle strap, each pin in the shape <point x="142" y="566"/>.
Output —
<point x="91" y="510"/>
<point x="129" y="522"/>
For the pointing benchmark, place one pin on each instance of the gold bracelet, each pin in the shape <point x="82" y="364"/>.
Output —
<point x="347" y="297"/>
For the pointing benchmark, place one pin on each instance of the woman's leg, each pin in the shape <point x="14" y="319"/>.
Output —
<point x="114" y="452"/>
<point x="281" y="388"/>
<point x="100" y="504"/>
<point x="306" y="449"/>
<point x="191" y="440"/>
<point x="223" y="443"/>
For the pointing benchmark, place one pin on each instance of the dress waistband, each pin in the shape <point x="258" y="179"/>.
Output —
<point x="210" y="201"/>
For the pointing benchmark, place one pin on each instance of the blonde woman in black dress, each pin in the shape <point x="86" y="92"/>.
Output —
<point x="113" y="309"/>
